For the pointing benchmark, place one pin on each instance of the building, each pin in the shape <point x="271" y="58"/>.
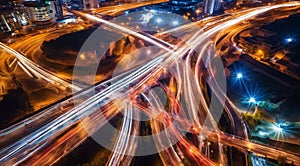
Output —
<point x="75" y="4"/>
<point x="208" y="6"/>
<point x="12" y="17"/>
<point x="82" y="4"/>
<point x="21" y="15"/>
<point x="218" y="7"/>
<point x="8" y="22"/>
<point x="56" y="10"/>
<point x="94" y="3"/>
<point x="211" y="7"/>
<point x="91" y="4"/>
<point x="39" y="12"/>
<point x="183" y="4"/>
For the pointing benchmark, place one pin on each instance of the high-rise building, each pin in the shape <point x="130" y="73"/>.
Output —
<point x="8" y="22"/>
<point x="212" y="6"/>
<point x="75" y="4"/>
<point x="183" y="5"/>
<point x="94" y="3"/>
<point x="56" y="10"/>
<point x="208" y="6"/>
<point x="183" y="2"/>
<point x="91" y="4"/>
<point x="218" y="6"/>
<point x="12" y="17"/>
<point x="39" y="12"/>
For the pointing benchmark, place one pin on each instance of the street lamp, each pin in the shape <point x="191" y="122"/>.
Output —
<point x="239" y="75"/>
<point x="175" y="23"/>
<point x="277" y="128"/>
<point x="158" y="20"/>
<point x="197" y="12"/>
<point x="260" y="52"/>
<point x="288" y="40"/>
<point x="252" y="100"/>
<point x="262" y="133"/>
<point x="148" y="52"/>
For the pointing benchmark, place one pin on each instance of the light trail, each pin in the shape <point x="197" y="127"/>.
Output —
<point x="125" y="30"/>
<point x="114" y="10"/>
<point x="122" y="143"/>
<point x="245" y="17"/>
<point x="153" y="68"/>
<point x="33" y="69"/>
<point x="69" y="118"/>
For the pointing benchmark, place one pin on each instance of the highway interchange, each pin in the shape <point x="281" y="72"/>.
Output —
<point x="94" y="110"/>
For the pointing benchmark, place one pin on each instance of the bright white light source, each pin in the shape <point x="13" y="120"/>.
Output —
<point x="146" y="17"/>
<point x="175" y="23"/>
<point x="289" y="40"/>
<point x="153" y="11"/>
<point x="239" y="75"/>
<point x="148" y="52"/>
<point x="252" y="100"/>
<point x="262" y="133"/>
<point x="277" y="128"/>
<point x="158" y="20"/>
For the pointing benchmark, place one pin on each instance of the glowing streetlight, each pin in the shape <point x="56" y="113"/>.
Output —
<point x="288" y="40"/>
<point x="148" y="52"/>
<point x="82" y="56"/>
<point x="158" y="20"/>
<point x="260" y="52"/>
<point x="252" y="100"/>
<point x="175" y="22"/>
<point x="262" y="133"/>
<point x="239" y="75"/>
<point x="277" y="128"/>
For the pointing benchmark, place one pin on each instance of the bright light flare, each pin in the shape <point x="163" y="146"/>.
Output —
<point x="148" y="52"/>
<point x="175" y="22"/>
<point x="262" y="133"/>
<point x="252" y="100"/>
<point x="289" y="40"/>
<point x="239" y="75"/>
<point x="158" y="20"/>
<point x="277" y="128"/>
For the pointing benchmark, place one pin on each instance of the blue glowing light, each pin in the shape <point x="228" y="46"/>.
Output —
<point x="158" y="20"/>
<point x="277" y="128"/>
<point x="262" y="133"/>
<point x="252" y="100"/>
<point x="175" y="23"/>
<point x="288" y="40"/>
<point x="239" y="75"/>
